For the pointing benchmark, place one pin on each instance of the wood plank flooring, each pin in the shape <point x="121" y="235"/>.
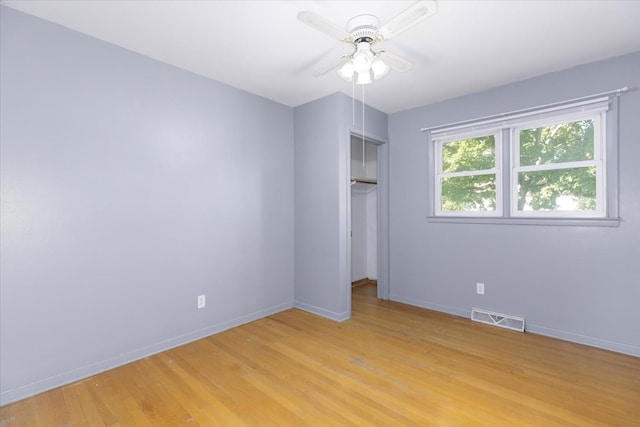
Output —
<point x="390" y="365"/>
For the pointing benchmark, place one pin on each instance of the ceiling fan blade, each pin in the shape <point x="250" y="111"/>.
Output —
<point x="417" y="12"/>
<point x="394" y="61"/>
<point x="316" y="21"/>
<point x="339" y="62"/>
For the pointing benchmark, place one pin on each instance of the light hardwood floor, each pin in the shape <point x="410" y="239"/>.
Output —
<point x="390" y="365"/>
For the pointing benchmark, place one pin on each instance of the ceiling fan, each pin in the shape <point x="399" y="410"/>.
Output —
<point x="363" y="31"/>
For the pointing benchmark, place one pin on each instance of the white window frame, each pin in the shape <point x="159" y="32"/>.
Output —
<point x="602" y="108"/>
<point x="496" y="170"/>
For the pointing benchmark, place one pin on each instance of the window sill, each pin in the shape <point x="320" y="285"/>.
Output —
<point x="585" y="222"/>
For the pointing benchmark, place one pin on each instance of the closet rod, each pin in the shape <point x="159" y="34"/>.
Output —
<point x="363" y="181"/>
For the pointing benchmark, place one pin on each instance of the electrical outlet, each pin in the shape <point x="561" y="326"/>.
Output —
<point x="480" y="288"/>
<point x="202" y="302"/>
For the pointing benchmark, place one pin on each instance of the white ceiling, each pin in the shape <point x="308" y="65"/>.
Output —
<point x="261" y="47"/>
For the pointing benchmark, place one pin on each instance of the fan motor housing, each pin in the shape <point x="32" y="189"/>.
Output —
<point x="363" y="28"/>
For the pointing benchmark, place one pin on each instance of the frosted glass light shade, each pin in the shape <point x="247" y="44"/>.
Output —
<point x="364" y="78"/>
<point x="362" y="58"/>
<point x="361" y="62"/>
<point x="379" y="68"/>
<point x="346" y="71"/>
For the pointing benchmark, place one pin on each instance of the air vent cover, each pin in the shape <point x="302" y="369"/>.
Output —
<point x="498" y="319"/>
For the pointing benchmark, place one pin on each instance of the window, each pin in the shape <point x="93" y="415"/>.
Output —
<point x="538" y="164"/>
<point x="558" y="169"/>
<point x="467" y="175"/>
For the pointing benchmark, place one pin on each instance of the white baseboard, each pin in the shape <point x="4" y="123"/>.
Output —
<point x="74" y="375"/>
<point x="631" y="350"/>
<point x="431" y="306"/>
<point x="332" y="315"/>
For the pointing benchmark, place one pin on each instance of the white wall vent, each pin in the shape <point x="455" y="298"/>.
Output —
<point x="497" y="319"/>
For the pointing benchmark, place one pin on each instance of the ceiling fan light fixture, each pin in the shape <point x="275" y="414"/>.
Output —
<point x="379" y="68"/>
<point x="363" y="31"/>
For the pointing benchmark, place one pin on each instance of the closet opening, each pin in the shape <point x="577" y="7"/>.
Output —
<point x="364" y="212"/>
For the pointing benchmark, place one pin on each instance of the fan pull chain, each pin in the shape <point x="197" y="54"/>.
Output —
<point x="353" y="105"/>
<point x="363" y="146"/>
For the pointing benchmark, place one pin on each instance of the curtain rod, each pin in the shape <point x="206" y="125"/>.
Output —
<point x="553" y="104"/>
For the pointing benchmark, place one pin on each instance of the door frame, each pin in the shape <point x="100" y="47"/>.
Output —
<point x="382" y="211"/>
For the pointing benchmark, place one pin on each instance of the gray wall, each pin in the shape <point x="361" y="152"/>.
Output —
<point x="129" y="187"/>
<point x="576" y="283"/>
<point x="323" y="197"/>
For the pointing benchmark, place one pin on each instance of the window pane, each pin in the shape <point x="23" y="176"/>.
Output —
<point x="469" y="193"/>
<point x="566" y="142"/>
<point x="469" y="154"/>
<point x="558" y="190"/>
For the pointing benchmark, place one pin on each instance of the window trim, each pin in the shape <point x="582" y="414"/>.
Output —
<point x="605" y="106"/>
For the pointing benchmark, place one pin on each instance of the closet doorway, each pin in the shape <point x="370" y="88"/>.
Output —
<point x="364" y="211"/>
